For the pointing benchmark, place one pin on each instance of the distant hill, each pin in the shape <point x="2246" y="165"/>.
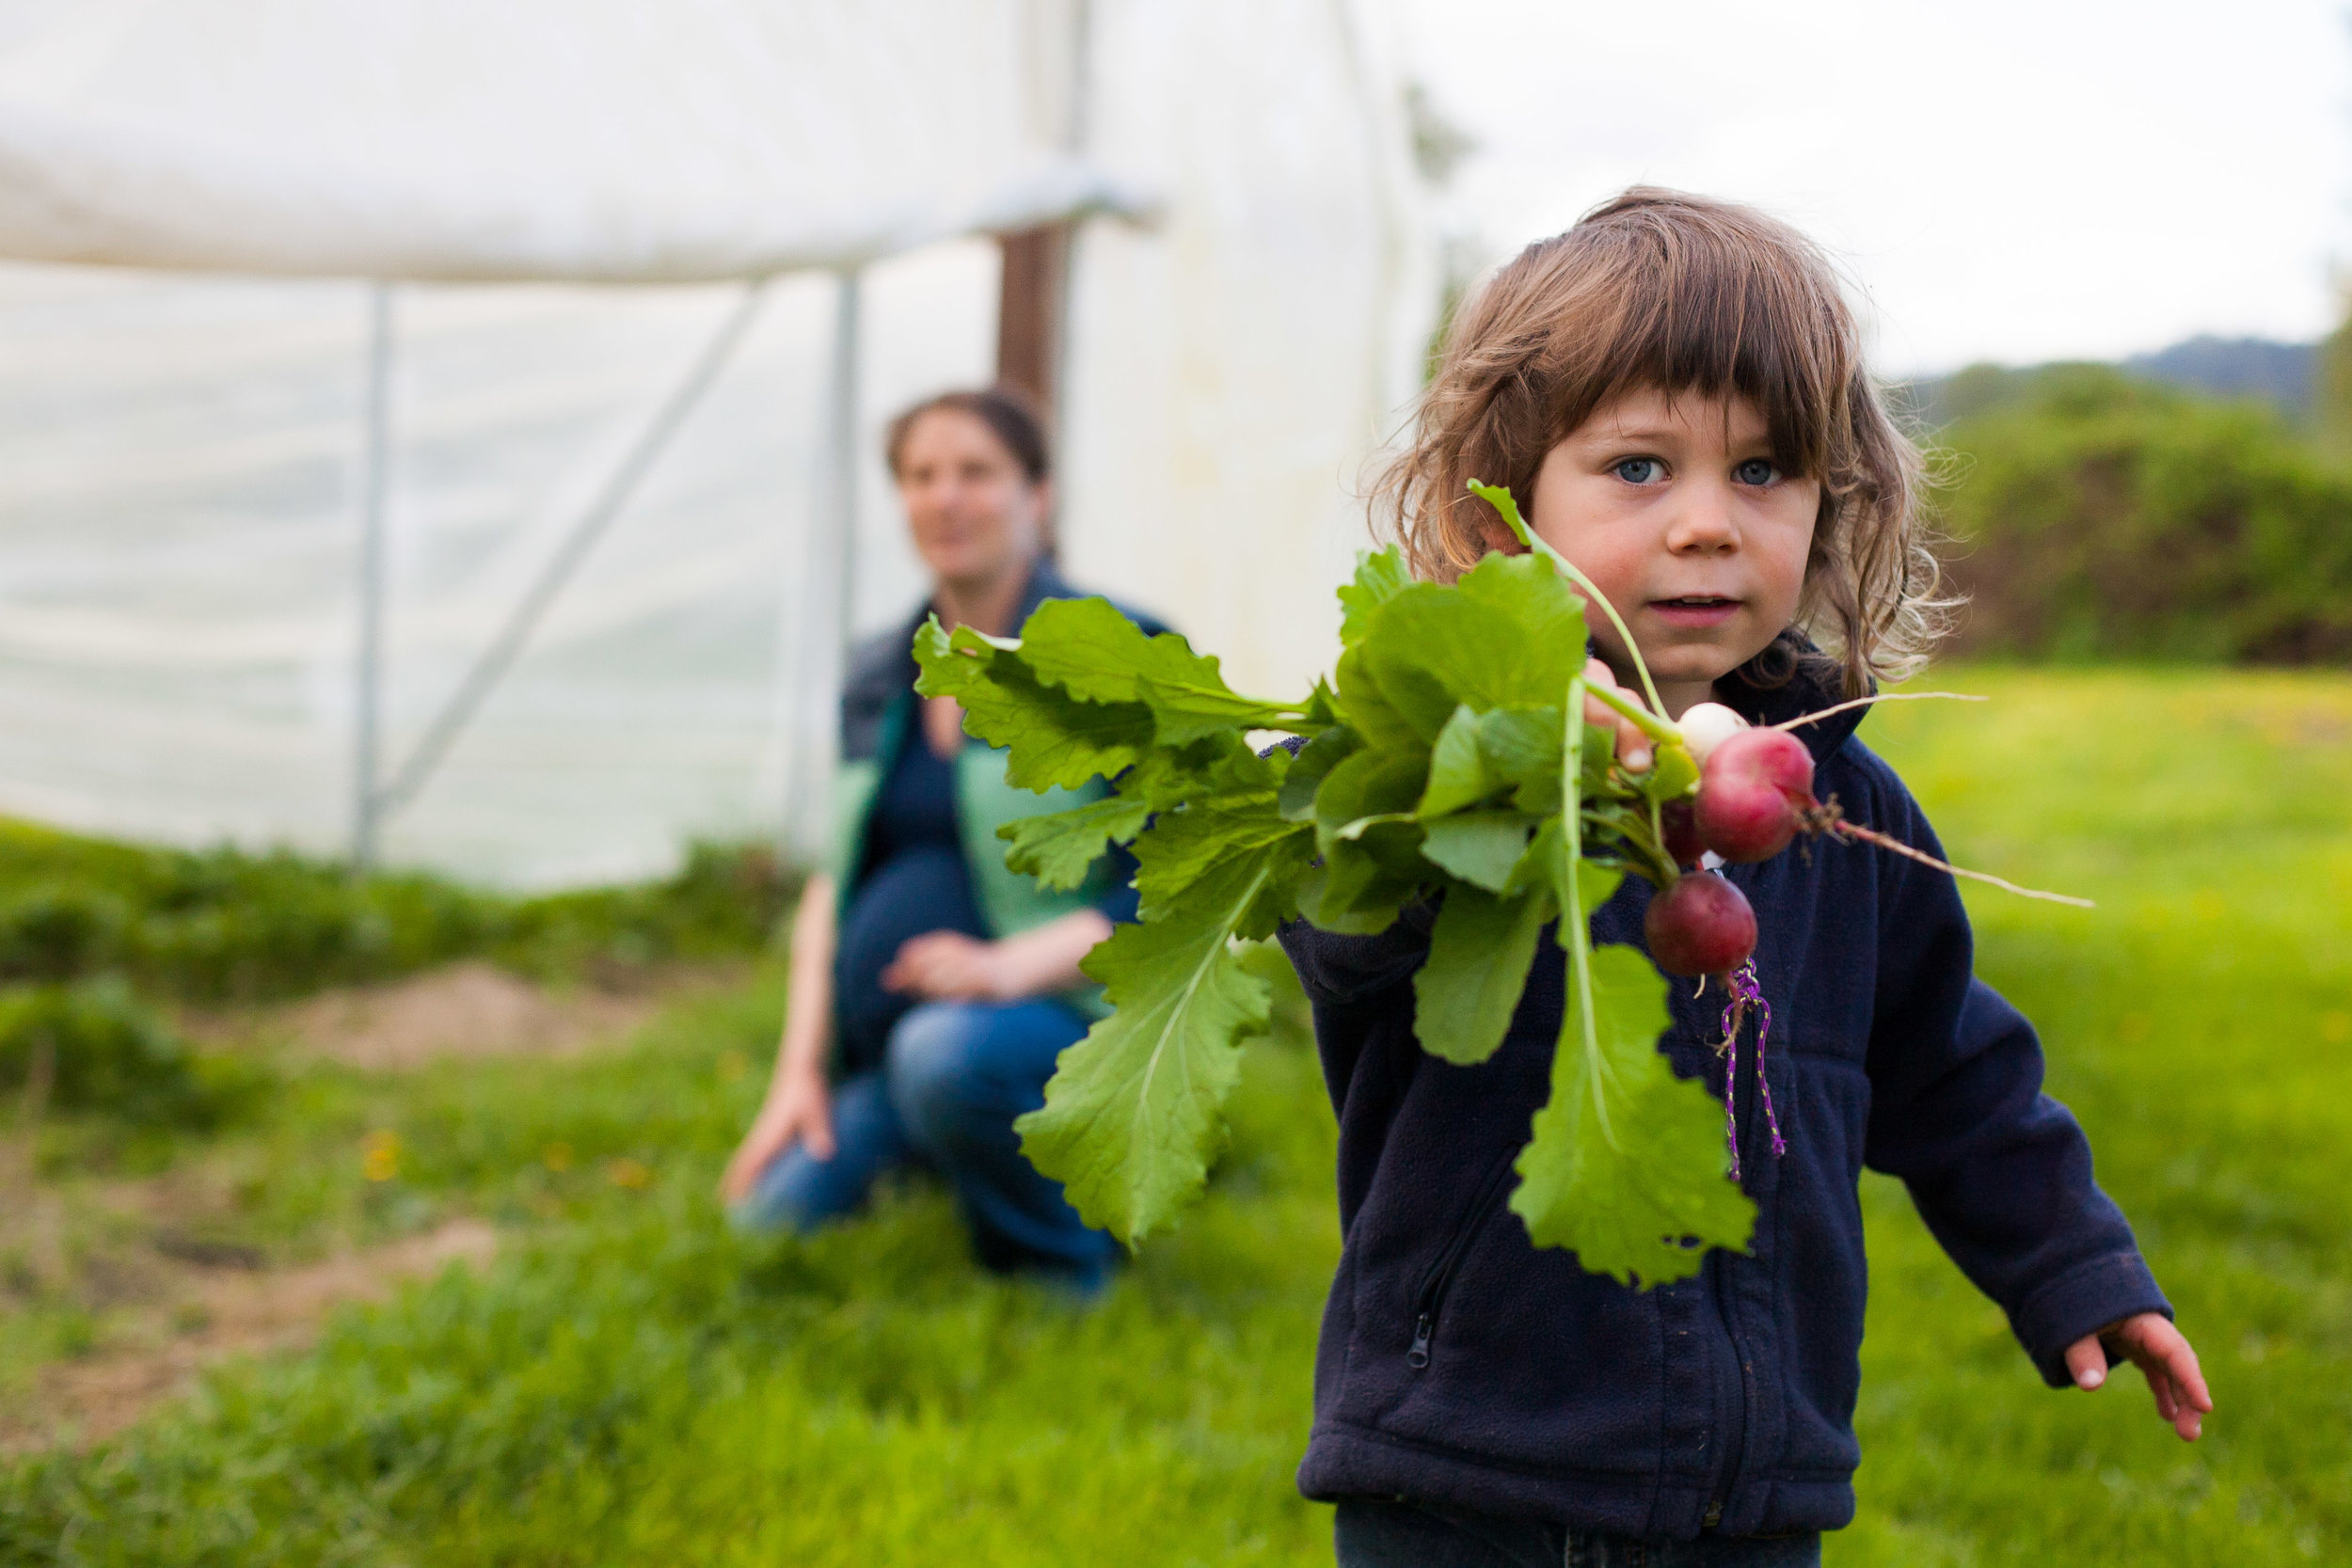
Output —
<point x="2236" y="367"/>
<point x="2281" y="373"/>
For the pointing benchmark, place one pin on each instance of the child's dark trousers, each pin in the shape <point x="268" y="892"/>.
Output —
<point x="1373" y="1532"/>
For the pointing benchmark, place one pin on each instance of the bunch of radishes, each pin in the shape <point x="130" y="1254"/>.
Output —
<point x="1755" y="790"/>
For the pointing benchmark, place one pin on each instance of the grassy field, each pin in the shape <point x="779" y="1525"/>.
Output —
<point x="2199" y="1022"/>
<point x="630" y="1384"/>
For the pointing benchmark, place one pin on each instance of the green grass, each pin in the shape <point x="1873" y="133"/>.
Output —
<point x="860" y="1394"/>
<point x="100" y="941"/>
<point x="633" y="1383"/>
<point x="226" y="926"/>
<point x="2199" y="1022"/>
<point x="527" y="1143"/>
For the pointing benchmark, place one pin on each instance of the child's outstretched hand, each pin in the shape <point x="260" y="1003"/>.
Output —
<point x="2150" y="1342"/>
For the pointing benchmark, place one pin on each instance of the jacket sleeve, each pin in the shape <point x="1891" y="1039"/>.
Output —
<point x="1120" y="905"/>
<point x="1346" y="979"/>
<point x="1999" y="1171"/>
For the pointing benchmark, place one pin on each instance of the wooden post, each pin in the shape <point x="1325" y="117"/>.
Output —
<point x="1030" y="313"/>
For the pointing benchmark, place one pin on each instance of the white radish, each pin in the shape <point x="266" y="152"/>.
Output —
<point x="1708" y="725"/>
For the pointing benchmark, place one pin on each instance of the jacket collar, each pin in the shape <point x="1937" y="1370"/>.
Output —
<point x="885" y="664"/>
<point x="1811" y="688"/>
<point x="1045" y="583"/>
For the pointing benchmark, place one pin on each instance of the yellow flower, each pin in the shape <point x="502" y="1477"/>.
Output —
<point x="380" y="1156"/>
<point x="629" y="1173"/>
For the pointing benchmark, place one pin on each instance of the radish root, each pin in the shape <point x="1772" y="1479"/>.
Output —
<point x="1881" y="697"/>
<point x="1828" y="819"/>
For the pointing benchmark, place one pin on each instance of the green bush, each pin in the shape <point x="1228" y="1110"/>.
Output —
<point x="53" y="931"/>
<point x="92" y="1046"/>
<point x="2099" y="518"/>
<point x="725" y="900"/>
<point x="227" y="925"/>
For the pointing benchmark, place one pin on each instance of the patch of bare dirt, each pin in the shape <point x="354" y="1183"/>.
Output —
<point x="158" y="1260"/>
<point x="228" y="1310"/>
<point x="463" y="1010"/>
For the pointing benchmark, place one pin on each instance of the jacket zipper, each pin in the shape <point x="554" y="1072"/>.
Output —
<point x="1430" y="1299"/>
<point x="1735" y="1433"/>
<point x="1736" y="1430"/>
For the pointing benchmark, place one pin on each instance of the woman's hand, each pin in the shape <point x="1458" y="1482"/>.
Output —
<point x="2150" y="1342"/>
<point x="799" y="1110"/>
<point x="948" y="966"/>
<point x="799" y="1107"/>
<point x="1634" y="747"/>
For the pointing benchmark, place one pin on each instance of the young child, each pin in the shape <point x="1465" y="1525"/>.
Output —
<point x="1674" y="391"/>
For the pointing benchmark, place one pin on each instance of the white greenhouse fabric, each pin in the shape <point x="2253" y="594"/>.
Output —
<point x="179" y="460"/>
<point x="614" y="140"/>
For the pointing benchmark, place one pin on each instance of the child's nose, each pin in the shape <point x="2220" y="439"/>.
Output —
<point x="1703" y="522"/>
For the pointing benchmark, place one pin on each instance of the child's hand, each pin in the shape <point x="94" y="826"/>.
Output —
<point x="2150" y="1342"/>
<point x="1633" y="745"/>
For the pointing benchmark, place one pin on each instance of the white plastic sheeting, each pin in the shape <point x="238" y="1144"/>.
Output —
<point x="1234" y="368"/>
<point x="178" y="461"/>
<point x="618" y="140"/>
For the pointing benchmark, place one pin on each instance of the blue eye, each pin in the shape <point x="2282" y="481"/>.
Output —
<point x="1756" y="470"/>
<point x="1641" y="470"/>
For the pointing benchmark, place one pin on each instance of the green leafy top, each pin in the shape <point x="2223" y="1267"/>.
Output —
<point x="1437" y="769"/>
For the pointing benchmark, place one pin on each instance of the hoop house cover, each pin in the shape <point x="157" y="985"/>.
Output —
<point x="593" y="140"/>
<point x="182" y="430"/>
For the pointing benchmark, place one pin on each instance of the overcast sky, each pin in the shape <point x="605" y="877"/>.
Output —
<point x="2009" y="180"/>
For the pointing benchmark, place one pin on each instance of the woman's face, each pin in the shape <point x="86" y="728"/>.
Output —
<point x="974" y="513"/>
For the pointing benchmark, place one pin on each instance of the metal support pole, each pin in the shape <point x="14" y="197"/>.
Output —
<point x="819" y="643"/>
<point x="376" y="477"/>
<point x="847" y="308"/>
<point x="1077" y="132"/>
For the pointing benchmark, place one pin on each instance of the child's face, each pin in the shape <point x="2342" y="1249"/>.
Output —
<point x="1677" y="512"/>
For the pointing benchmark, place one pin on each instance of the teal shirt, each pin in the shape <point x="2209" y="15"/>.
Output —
<point x="878" y="708"/>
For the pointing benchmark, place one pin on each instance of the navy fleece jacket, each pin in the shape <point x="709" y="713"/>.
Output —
<point x="1464" y="1369"/>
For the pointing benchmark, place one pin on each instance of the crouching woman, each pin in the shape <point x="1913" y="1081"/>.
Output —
<point x="932" y="988"/>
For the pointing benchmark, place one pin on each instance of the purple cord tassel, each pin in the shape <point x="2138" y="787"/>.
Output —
<point x="1746" y="994"/>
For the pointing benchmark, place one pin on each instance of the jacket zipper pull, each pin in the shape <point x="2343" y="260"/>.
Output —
<point x="1418" y="1356"/>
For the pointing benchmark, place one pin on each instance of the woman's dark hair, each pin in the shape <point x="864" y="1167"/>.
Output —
<point x="1007" y="413"/>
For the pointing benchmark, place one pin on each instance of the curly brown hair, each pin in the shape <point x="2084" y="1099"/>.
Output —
<point x="1658" y="290"/>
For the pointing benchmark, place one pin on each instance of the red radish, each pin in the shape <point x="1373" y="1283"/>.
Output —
<point x="1700" y="925"/>
<point x="1680" y="838"/>
<point x="1750" y="792"/>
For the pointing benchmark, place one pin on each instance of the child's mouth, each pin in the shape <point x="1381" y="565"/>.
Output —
<point x="1694" y="609"/>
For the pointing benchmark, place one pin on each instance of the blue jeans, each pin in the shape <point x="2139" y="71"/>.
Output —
<point x="954" y="1076"/>
<point x="1373" y="1532"/>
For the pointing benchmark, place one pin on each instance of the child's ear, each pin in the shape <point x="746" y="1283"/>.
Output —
<point x="1496" y="535"/>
